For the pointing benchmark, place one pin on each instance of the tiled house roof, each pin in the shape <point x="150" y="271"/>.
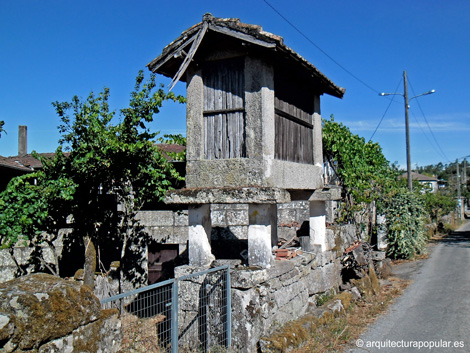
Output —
<point x="420" y="177"/>
<point x="27" y="163"/>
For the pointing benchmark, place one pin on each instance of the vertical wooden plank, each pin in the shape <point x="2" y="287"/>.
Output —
<point x="224" y="90"/>
<point x="225" y="137"/>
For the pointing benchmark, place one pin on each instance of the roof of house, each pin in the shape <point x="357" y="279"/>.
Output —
<point x="177" y="55"/>
<point x="419" y="177"/>
<point x="27" y="163"/>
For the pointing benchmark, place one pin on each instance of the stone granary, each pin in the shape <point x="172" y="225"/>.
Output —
<point x="253" y="131"/>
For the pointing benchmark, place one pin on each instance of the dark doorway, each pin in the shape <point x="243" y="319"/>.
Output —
<point x="161" y="262"/>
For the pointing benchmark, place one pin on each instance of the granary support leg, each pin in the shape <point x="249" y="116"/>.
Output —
<point x="317" y="136"/>
<point x="318" y="224"/>
<point x="262" y="232"/>
<point x="200" y="252"/>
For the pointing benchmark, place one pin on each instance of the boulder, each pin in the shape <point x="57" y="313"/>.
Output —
<point x="40" y="308"/>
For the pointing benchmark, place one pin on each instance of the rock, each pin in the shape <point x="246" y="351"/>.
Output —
<point x="335" y="306"/>
<point x="7" y="327"/>
<point x="360" y="256"/>
<point x="355" y="293"/>
<point x="232" y="263"/>
<point x="40" y="307"/>
<point x="378" y="255"/>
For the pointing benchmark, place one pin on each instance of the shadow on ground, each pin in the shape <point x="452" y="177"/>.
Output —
<point x="457" y="238"/>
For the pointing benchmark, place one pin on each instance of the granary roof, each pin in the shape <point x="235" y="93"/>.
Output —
<point x="177" y="55"/>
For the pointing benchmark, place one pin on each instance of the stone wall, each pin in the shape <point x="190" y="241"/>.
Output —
<point x="264" y="299"/>
<point x="18" y="261"/>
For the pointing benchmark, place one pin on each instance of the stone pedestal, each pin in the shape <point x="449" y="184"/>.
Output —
<point x="318" y="224"/>
<point x="199" y="235"/>
<point x="262" y="232"/>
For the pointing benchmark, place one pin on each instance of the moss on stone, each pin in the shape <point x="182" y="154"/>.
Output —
<point x="44" y="307"/>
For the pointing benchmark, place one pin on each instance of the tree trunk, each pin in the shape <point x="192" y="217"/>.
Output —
<point x="90" y="263"/>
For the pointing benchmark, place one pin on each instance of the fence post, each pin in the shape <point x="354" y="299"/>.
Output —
<point x="229" y="309"/>
<point x="174" y="316"/>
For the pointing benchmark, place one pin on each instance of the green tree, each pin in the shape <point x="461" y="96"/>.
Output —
<point x="361" y="167"/>
<point x="102" y="160"/>
<point x="438" y="205"/>
<point x="368" y="177"/>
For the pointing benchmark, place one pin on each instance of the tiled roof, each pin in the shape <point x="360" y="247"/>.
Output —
<point x="419" y="177"/>
<point x="27" y="163"/>
<point x="246" y="32"/>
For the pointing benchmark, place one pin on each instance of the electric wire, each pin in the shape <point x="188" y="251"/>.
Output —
<point x="427" y="123"/>
<point x="320" y="49"/>
<point x="359" y="80"/>
<point x="426" y="135"/>
<point x="386" y="110"/>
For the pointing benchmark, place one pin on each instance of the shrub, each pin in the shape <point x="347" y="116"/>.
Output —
<point x="405" y="224"/>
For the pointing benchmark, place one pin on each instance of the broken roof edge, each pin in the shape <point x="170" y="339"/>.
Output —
<point x="247" y="32"/>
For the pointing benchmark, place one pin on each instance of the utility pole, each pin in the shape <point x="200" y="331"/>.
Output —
<point x="407" y="126"/>
<point x="459" y="200"/>
<point x="464" y="180"/>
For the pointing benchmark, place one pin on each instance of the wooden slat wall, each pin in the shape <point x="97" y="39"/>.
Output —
<point x="294" y="133"/>
<point x="224" y="118"/>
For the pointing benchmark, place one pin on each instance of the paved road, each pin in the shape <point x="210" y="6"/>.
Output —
<point x="434" y="310"/>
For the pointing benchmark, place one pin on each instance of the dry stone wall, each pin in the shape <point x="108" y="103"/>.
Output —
<point x="264" y="299"/>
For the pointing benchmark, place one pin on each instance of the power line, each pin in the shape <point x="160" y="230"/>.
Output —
<point x="386" y="110"/>
<point x="427" y="138"/>
<point x="320" y="49"/>
<point x="429" y="127"/>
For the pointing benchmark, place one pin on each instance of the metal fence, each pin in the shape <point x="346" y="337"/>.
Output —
<point x="191" y="313"/>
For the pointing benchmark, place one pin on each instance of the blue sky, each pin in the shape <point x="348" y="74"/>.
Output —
<point x="55" y="49"/>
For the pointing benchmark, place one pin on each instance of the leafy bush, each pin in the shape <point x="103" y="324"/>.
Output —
<point x="438" y="205"/>
<point x="405" y="224"/>
<point x="360" y="166"/>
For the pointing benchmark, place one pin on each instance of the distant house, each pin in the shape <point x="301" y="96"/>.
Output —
<point x="430" y="183"/>
<point x="14" y="166"/>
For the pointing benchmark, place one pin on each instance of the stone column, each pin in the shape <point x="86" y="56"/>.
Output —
<point x="317" y="134"/>
<point x="318" y="224"/>
<point x="382" y="242"/>
<point x="259" y="109"/>
<point x="199" y="235"/>
<point x="194" y="124"/>
<point x="262" y="232"/>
